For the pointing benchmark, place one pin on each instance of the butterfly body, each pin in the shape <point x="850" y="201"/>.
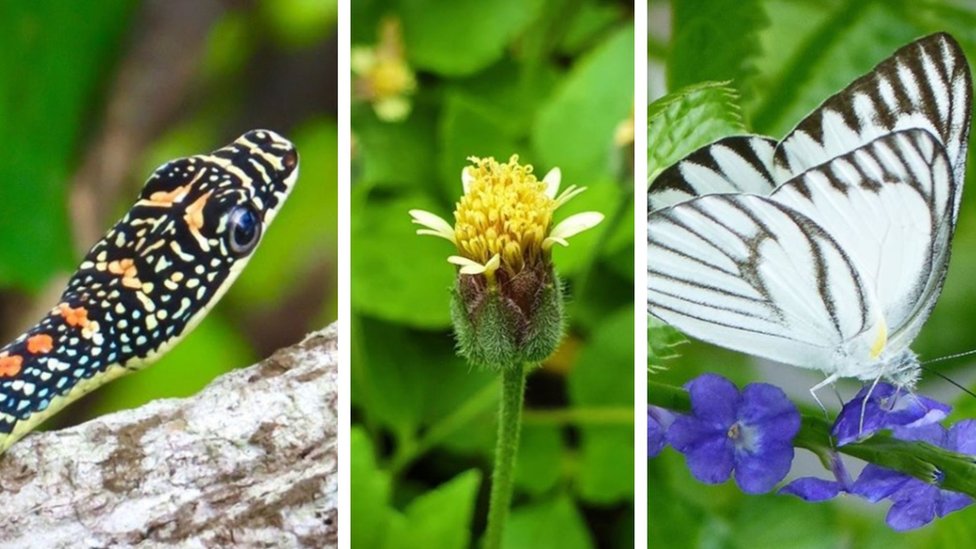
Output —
<point x="826" y="250"/>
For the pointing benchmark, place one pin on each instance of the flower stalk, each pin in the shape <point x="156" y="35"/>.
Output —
<point x="506" y="448"/>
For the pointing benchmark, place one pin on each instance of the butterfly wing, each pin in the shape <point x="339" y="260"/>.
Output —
<point x="833" y="258"/>
<point x="747" y="273"/>
<point x="736" y="164"/>
<point x="925" y="85"/>
<point x="889" y="206"/>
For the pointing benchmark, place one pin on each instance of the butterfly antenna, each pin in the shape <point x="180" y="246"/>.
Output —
<point x="947" y="378"/>
<point x="949" y="357"/>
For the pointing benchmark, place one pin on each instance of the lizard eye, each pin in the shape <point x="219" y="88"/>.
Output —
<point x="243" y="229"/>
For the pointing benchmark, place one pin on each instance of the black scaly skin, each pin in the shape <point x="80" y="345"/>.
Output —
<point x="150" y="280"/>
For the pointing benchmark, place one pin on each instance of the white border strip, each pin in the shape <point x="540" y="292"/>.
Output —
<point x="640" y="274"/>
<point x="344" y="181"/>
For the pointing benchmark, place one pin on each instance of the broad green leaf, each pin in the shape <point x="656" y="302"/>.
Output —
<point x="713" y="42"/>
<point x="298" y="23"/>
<point x="369" y="488"/>
<point x="394" y="155"/>
<point x="687" y="119"/>
<point x="56" y="62"/>
<point x="555" y="524"/>
<point x="398" y="370"/>
<point x="401" y="276"/>
<point x="604" y="375"/>
<point x="589" y="22"/>
<point x="464" y="36"/>
<point x="575" y="129"/>
<point x="471" y="129"/>
<point x="439" y="518"/>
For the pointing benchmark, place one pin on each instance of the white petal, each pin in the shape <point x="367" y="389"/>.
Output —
<point x="493" y="264"/>
<point x="568" y="194"/>
<point x="435" y="223"/>
<point x="570" y="226"/>
<point x="466" y="178"/>
<point x="552" y="180"/>
<point x="468" y="266"/>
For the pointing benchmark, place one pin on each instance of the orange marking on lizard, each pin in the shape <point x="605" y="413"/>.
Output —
<point x="74" y="317"/>
<point x="194" y="219"/>
<point x="40" y="344"/>
<point x="10" y="365"/>
<point x="127" y="269"/>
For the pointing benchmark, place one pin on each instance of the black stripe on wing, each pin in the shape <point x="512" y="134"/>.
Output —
<point x="740" y="163"/>
<point x="924" y="85"/>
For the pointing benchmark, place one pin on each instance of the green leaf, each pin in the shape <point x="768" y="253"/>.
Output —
<point x="439" y="518"/>
<point x="401" y="276"/>
<point x="538" y="465"/>
<point x="604" y="375"/>
<point x="394" y="155"/>
<point x="687" y="119"/>
<point x="555" y="524"/>
<point x="369" y="488"/>
<point x="55" y="62"/>
<point x="713" y="42"/>
<point x="575" y="129"/>
<point x="464" y="36"/>
<point x="397" y="371"/>
<point x="470" y="129"/>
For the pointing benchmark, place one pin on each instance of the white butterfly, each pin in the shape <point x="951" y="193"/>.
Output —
<point x="826" y="250"/>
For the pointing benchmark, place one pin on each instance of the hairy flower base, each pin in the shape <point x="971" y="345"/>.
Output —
<point x="514" y="321"/>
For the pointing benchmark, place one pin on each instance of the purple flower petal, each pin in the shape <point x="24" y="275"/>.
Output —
<point x="767" y="409"/>
<point x="711" y="461"/>
<point x="952" y="501"/>
<point x="962" y="437"/>
<point x="886" y="407"/>
<point x="813" y="489"/>
<point x="688" y="432"/>
<point x="714" y="398"/>
<point x="758" y="473"/>
<point x="658" y="421"/>
<point x="908" y="514"/>
<point x="877" y="483"/>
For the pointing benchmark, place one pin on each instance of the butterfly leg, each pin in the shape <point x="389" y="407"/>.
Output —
<point x="813" y="392"/>
<point x="864" y="404"/>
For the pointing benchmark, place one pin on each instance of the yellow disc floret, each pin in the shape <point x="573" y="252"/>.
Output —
<point x="504" y="211"/>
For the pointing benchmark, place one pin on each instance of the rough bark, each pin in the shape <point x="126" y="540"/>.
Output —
<point x="250" y="461"/>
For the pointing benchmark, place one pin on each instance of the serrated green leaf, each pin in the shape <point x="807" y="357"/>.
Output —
<point x="687" y="119"/>
<point x="662" y="340"/>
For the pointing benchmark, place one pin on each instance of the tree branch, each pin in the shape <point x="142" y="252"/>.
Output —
<point x="250" y="460"/>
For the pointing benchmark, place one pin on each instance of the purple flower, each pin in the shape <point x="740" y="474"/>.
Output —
<point x="818" y="489"/>
<point x="658" y="422"/>
<point x="916" y="503"/>
<point x="750" y="433"/>
<point x="885" y="408"/>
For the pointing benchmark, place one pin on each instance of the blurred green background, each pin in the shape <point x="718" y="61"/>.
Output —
<point x="93" y="100"/>
<point x="783" y="57"/>
<point x="553" y="82"/>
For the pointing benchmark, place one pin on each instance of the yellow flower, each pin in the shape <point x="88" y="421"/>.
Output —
<point x="383" y="76"/>
<point x="503" y="222"/>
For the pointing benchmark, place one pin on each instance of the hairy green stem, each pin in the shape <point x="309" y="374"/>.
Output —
<point x="918" y="459"/>
<point x="503" y="476"/>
